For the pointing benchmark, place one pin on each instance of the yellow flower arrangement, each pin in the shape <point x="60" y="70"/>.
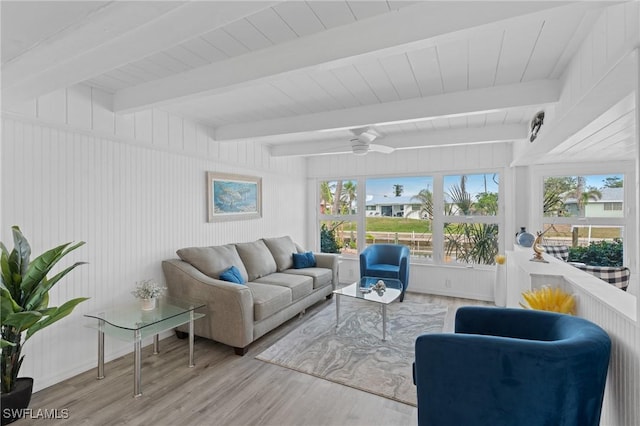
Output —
<point x="550" y="299"/>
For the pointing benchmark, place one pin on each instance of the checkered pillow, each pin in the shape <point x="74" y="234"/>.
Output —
<point x="615" y="275"/>
<point x="561" y="252"/>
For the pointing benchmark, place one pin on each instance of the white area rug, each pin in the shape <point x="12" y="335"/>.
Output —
<point x="354" y="354"/>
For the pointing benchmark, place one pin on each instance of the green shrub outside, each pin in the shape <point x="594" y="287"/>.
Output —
<point x="328" y="242"/>
<point x="598" y="253"/>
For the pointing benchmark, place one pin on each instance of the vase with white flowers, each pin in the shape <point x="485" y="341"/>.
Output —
<point x="148" y="291"/>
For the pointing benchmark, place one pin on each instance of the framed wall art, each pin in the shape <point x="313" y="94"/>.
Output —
<point x="233" y="197"/>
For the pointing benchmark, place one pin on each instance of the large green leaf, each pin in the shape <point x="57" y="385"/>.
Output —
<point x="22" y="251"/>
<point x="57" y="315"/>
<point x="5" y="344"/>
<point x="40" y="267"/>
<point x="7" y="275"/>
<point x="22" y="320"/>
<point x="38" y="294"/>
<point x="7" y="305"/>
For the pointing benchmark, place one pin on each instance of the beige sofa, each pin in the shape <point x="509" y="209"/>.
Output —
<point x="273" y="292"/>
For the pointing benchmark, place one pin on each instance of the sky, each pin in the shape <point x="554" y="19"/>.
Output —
<point x="475" y="183"/>
<point x="597" y="181"/>
<point x="413" y="185"/>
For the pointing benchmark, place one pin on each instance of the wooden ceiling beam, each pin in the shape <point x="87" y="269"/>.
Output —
<point x="607" y="100"/>
<point x="475" y="101"/>
<point x="424" y="139"/>
<point x="413" y="27"/>
<point x="115" y="35"/>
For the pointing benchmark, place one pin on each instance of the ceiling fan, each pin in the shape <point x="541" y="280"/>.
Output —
<point x="361" y="143"/>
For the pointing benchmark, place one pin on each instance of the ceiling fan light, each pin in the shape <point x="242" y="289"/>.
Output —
<point x="360" y="149"/>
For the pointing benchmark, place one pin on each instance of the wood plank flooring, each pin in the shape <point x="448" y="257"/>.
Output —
<point x="222" y="389"/>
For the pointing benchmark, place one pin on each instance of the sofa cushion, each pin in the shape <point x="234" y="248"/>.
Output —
<point x="268" y="299"/>
<point x="304" y="260"/>
<point x="300" y="285"/>
<point x="615" y="275"/>
<point x="212" y="261"/>
<point x="281" y="248"/>
<point x="321" y="276"/>
<point x="233" y="275"/>
<point x="257" y="259"/>
<point x="559" y="252"/>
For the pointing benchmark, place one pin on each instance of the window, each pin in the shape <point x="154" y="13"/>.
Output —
<point x="400" y="210"/>
<point x="613" y="206"/>
<point x="338" y="216"/>
<point x="584" y="210"/>
<point x="441" y="218"/>
<point x="471" y="227"/>
<point x="338" y="197"/>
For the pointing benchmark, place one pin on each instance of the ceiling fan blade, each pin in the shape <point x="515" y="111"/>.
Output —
<point x="381" y="148"/>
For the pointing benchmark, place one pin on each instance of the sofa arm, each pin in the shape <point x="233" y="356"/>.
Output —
<point x="229" y="317"/>
<point x="329" y="261"/>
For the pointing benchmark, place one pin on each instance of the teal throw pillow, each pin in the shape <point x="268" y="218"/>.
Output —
<point x="304" y="260"/>
<point x="233" y="275"/>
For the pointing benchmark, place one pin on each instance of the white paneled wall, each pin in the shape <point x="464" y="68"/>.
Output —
<point x="133" y="188"/>
<point x="621" y="405"/>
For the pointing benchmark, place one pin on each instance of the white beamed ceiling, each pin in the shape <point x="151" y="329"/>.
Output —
<point x="297" y="75"/>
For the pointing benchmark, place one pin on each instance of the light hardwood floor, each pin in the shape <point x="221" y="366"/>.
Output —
<point x="222" y="389"/>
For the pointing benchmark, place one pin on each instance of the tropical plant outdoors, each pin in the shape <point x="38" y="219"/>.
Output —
<point x="559" y="190"/>
<point x="24" y="297"/>
<point x="471" y="242"/>
<point x="425" y="198"/>
<point x="560" y="194"/>
<point x="598" y="253"/>
<point x="338" y="198"/>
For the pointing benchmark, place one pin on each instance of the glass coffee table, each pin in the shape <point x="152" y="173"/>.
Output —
<point x="365" y="289"/>
<point x="130" y="323"/>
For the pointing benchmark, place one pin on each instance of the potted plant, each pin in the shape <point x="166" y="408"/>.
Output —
<point x="24" y="297"/>
<point x="147" y="291"/>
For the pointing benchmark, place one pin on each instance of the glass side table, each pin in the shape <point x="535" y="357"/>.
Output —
<point x="130" y="322"/>
<point x="362" y="289"/>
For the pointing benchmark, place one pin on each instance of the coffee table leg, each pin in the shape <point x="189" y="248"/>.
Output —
<point x="384" y="322"/>
<point x="191" y="363"/>
<point x="156" y="345"/>
<point x="337" y="310"/>
<point x="137" y="346"/>
<point x="100" y="350"/>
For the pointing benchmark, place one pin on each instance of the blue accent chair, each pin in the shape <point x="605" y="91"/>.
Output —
<point x="386" y="261"/>
<point x="512" y="367"/>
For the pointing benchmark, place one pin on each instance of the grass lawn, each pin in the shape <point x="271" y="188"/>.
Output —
<point x="396" y="224"/>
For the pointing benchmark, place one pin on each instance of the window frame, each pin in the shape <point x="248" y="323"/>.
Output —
<point x="439" y="219"/>
<point x="626" y="222"/>
<point x="353" y="217"/>
<point x="497" y="219"/>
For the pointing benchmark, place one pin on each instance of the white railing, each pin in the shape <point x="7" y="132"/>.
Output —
<point x="611" y="308"/>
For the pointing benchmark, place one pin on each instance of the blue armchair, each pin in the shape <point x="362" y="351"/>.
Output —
<point x="512" y="367"/>
<point x="386" y="261"/>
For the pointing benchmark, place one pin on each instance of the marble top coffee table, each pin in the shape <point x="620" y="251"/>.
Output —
<point x="365" y="289"/>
